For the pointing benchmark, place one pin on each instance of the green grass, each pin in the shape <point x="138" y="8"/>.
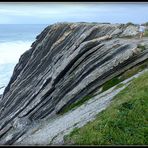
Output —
<point x="127" y="74"/>
<point x="128" y="37"/>
<point x="75" y="104"/>
<point x="124" y="122"/>
<point x="111" y="83"/>
<point x="146" y="33"/>
<point x="142" y="47"/>
<point x="146" y="24"/>
<point x="119" y="85"/>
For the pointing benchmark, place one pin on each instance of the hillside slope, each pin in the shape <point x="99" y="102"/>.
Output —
<point x="67" y="62"/>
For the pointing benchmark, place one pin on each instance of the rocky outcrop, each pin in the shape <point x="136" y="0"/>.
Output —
<point x="65" y="63"/>
<point x="52" y="131"/>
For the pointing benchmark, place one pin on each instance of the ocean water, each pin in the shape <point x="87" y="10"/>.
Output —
<point x="15" y="39"/>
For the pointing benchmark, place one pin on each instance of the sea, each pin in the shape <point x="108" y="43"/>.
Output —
<point x="15" y="39"/>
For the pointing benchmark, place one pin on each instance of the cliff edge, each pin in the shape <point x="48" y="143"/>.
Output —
<point x="67" y="62"/>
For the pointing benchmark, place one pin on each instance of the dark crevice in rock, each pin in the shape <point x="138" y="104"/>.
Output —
<point x="83" y="60"/>
<point x="30" y="112"/>
<point x="68" y="67"/>
<point x="43" y="114"/>
<point x="15" y="137"/>
<point x="39" y="110"/>
<point x="3" y="133"/>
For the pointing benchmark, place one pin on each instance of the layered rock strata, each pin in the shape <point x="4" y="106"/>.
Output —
<point x="67" y="62"/>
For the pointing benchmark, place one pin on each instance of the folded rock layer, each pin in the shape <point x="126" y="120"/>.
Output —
<point x="67" y="62"/>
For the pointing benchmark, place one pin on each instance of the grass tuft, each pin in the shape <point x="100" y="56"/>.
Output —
<point x="75" y="104"/>
<point x="111" y="83"/>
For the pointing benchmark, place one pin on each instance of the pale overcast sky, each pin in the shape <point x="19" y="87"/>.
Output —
<point x="48" y="13"/>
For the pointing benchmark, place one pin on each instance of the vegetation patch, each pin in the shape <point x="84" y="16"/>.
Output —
<point x="124" y="122"/>
<point x="76" y="104"/>
<point x="119" y="85"/>
<point x="114" y="81"/>
<point x="142" y="47"/>
<point x="128" y="37"/>
<point x="129" y="73"/>
<point x="146" y="33"/>
<point x="146" y="24"/>
<point x="130" y="23"/>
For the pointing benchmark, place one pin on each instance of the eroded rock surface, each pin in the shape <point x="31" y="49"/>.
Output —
<point x="52" y="131"/>
<point x="65" y="63"/>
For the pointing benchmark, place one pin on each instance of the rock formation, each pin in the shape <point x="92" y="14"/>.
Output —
<point x="67" y="62"/>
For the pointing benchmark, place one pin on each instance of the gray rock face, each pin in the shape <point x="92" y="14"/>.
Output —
<point x="65" y="63"/>
<point x="130" y="31"/>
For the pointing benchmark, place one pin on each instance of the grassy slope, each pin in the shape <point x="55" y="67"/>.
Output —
<point x="124" y="122"/>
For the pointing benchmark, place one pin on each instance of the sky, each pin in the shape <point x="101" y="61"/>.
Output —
<point x="50" y="12"/>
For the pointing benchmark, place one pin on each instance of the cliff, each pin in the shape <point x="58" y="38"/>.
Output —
<point x="67" y="62"/>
